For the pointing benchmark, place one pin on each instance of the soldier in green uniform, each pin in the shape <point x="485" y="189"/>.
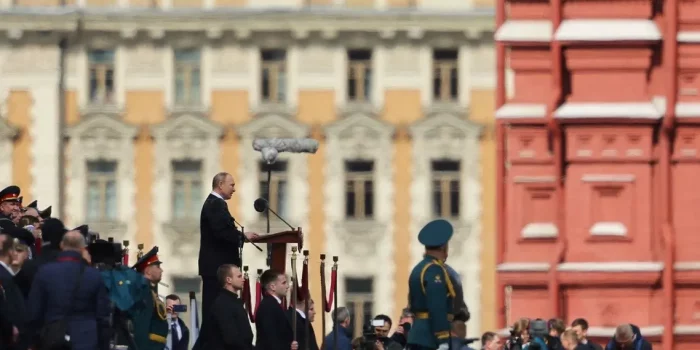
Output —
<point x="431" y="290"/>
<point x="149" y="318"/>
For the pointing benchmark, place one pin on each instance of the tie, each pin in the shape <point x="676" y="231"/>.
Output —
<point x="173" y="331"/>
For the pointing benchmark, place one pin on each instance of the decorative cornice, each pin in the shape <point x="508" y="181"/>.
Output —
<point x="388" y="24"/>
<point x="364" y="108"/>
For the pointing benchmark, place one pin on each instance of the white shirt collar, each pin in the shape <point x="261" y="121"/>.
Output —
<point x="216" y="195"/>
<point x="301" y="313"/>
<point x="2" y="263"/>
<point x="279" y="301"/>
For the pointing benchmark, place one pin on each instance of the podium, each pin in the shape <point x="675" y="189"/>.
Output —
<point x="278" y="241"/>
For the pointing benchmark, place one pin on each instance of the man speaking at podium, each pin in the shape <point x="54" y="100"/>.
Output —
<point x="220" y="240"/>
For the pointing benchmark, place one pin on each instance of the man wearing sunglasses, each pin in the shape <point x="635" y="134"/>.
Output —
<point x="628" y="337"/>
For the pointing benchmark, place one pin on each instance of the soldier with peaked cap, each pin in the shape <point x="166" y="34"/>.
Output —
<point x="149" y="318"/>
<point x="431" y="290"/>
<point x="9" y="206"/>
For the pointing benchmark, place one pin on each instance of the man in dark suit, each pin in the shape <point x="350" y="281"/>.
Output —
<point x="274" y="332"/>
<point x="304" y="320"/>
<point x="53" y="293"/>
<point x="12" y="303"/>
<point x="227" y="326"/>
<point x="220" y="240"/>
<point x="178" y="330"/>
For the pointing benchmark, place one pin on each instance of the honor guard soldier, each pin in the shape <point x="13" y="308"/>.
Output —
<point x="149" y="321"/>
<point x="431" y="290"/>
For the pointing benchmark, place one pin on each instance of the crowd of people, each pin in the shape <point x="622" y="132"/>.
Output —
<point x="67" y="289"/>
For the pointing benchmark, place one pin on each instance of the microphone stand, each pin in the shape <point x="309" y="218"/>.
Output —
<point x="245" y="239"/>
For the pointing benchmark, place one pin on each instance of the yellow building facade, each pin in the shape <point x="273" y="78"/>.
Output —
<point x="149" y="99"/>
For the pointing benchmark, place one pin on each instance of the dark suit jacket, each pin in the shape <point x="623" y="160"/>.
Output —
<point x="274" y="332"/>
<point x="14" y="309"/>
<point x="52" y="291"/>
<point x="25" y="277"/>
<point x="219" y="240"/>
<point x="302" y="322"/>
<point x="184" y="343"/>
<point x="227" y="326"/>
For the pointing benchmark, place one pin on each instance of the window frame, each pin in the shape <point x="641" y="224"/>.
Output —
<point x="357" y="70"/>
<point x="442" y="73"/>
<point x="275" y="68"/>
<point x="446" y="178"/>
<point x="101" y="71"/>
<point x="359" y="190"/>
<point x="187" y="67"/>
<point x="188" y="178"/>
<point x="276" y="177"/>
<point x="102" y="178"/>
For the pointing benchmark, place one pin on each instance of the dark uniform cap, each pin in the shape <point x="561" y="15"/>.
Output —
<point x="83" y="229"/>
<point x="148" y="259"/>
<point x="103" y="251"/>
<point x="52" y="230"/>
<point x="436" y="233"/>
<point x="46" y="213"/>
<point x="33" y="204"/>
<point x="10" y="194"/>
<point x="22" y="235"/>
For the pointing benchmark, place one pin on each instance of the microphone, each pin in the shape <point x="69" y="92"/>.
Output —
<point x="261" y="205"/>
<point x="245" y="239"/>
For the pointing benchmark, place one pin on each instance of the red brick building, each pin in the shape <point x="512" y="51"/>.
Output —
<point x="599" y="154"/>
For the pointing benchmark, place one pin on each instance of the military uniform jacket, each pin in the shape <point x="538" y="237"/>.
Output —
<point x="431" y="297"/>
<point x="150" y="325"/>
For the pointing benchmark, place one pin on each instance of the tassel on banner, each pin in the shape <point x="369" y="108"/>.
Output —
<point x="125" y="253"/>
<point x="194" y="319"/>
<point x="303" y="288"/>
<point x="334" y="283"/>
<point x="258" y="293"/>
<point x="246" y="294"/>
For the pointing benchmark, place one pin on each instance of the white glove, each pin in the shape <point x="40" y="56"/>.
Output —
<point x="444" y="346"/>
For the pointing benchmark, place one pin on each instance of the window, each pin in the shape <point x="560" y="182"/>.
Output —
<point x="278" y="186"/>
<point x="359" y="75"/>
<point x="445" y="77"/>
<point x="101" y="190"/>
<point x="445" y="188"/>
<point x="187" y="76"/>
<point x="101" y="75"/>
<point x="274" y="76"/>
<point x="187" y="189"/>
<point x="359" y="294"/>
<point x="359" y="191"/>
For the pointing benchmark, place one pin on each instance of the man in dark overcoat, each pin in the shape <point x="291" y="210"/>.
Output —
<point x="68" y="286"/>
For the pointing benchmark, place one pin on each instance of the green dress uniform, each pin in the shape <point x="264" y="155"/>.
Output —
<point x="149" y="317"/>
<point x="431" y="292"/>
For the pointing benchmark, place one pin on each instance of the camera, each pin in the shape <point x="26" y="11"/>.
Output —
<point x="515" y="342"/>
<point x="369" y="337"/>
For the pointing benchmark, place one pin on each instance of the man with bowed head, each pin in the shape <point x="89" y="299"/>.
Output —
<point x="431" y="290"/>
<point x="274" y="331"/>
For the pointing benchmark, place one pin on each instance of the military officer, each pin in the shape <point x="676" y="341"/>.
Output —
<point x="9" y="206"/>
<point x="149" y="319"/>
<point x="431" y="290"/>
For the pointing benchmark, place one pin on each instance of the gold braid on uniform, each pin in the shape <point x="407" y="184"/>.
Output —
<point x="448" y="281"/>
<point x="160" y="306"/>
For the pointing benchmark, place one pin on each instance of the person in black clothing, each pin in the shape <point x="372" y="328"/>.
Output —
<point x="12" y="304"/>
<point x="227" y="326"/>
<point x="580" y="326"/>
<point x="220" y="239"/>
<point x="304" y="320"/>
<point x="178" y="329"/>
<point x="628" y="336"/>
<point x="274" y="331"/>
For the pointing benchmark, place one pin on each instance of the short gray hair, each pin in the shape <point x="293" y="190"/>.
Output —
<point x="341" y="314"/>
<point x="218" y="179"/>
